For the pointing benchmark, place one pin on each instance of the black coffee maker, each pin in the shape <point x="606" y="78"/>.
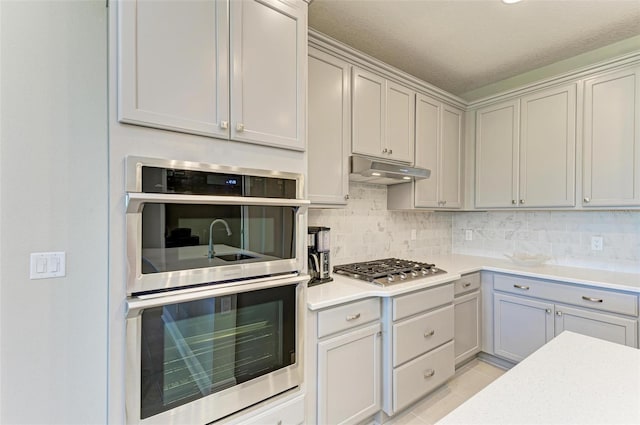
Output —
<point x="319" y="242"/>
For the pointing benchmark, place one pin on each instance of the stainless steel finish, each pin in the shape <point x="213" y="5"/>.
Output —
<point x="594" y="300"/>
<point x="587" y="199"/>
<point x="548" y="310"/>
<point x="388" y="271"/>
<point x="429" y="373"/>
<point x="430" y="333"/>
<point x="526" y="288"/>
<point x="222" y="403"/>
<point x="377" y="171"/>
<point x="211" y="252"/>
<point x="224" y="125"/>
<point x="353" y="317"/>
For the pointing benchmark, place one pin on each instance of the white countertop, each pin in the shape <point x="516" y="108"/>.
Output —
<point x="573" y="379"/>
<point x="344" y="289"/>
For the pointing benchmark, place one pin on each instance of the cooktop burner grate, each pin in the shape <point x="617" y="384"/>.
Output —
<point x="388" y="270"/>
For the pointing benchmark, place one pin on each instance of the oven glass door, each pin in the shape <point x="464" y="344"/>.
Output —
<point x="192" y="349"/>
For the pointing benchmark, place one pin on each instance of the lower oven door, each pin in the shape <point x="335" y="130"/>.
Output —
<point x="197" y="356"/>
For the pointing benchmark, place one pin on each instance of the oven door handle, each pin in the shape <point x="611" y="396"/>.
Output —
<point x="135" y="201"/>
<point x="137" y="304"/>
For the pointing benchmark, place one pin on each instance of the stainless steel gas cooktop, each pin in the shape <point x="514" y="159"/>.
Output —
<point x="388" y="271"/>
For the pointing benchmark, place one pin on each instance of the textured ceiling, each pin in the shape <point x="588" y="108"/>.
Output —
<point x="461" y="45"/>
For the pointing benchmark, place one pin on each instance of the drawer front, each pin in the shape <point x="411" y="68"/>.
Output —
<point x="422" y="375"/>
<point x="419" y="301"/>
<point x="598" y="299"/>
<point x="348" y="316"/>
<point x="289" y="413"/>
<point x="467" y="283"/>
<point x="416" y="336"/>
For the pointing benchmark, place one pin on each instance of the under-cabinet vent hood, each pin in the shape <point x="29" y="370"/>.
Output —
<point x="375" y="171"/>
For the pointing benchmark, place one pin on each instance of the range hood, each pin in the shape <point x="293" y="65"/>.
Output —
<point x="364" y="169"/>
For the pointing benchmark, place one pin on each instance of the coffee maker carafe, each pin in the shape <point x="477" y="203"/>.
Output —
<point x="319" y="241"/>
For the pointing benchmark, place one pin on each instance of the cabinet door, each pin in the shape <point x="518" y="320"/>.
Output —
<point x="400" y="119"/>
<point x="428" y="112"/>
<point x="268" y="67"/>
<point x="521" y="326"/>
<point x="450" y="169"/>
<point x="349" y="371"/>
<point x="497" y="155"/>
<point x="547" y="148"/>
<point x="611" y="174"/>
<point x="467" y="326"/>
<point x="173" y="65"/>
<point x="369" y="103"/>
<point x="329" y="129"/>
<point x="598" y="325"/>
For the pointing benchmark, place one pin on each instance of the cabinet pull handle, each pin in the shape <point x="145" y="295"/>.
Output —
<point x="429" y="373"/>
<point x="515" y="285"/>
<point x="430" y="333"/>
<point x="593" y="300"/>
<point x="558" y="313"/>
<point x="466" y="284"/>
<point x="587" y="199"/>
<point x="240" y="127"/>
<point x="224" y="125"/>
<point x="353" y="317"/>
<point x="548" y="310"/>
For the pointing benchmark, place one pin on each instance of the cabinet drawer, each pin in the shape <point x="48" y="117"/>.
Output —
<point x="577" y="295"/>
<point x="289" y="413"/>
<point x="420" y="334"/>
<point x="348" y="316"/>
<point x="422" y="375"/>
<point x="467" y="283"/>
<point x="416" y="302"/>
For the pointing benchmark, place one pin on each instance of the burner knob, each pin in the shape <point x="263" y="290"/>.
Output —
<point x="425" y="271"/>
<point x="414" y="273"/>
<point x="434" y="270"/>
<point x="391" y="278"/>
<point x="403" y="276"/>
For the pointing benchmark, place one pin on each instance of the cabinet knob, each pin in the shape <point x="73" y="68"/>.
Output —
<point x="548" y="310"/>
<point x="558" y="313"/>
<point x="224" y="125"/>
<point x="430" y="333"/>
<point x="429" y="373"/>
<point x="587" y="199"/>
<point x="513" y="201"/>
<point x="390" y="151"/>
<point x="385" y="150"/>
<point x="346" y="197"/>
<point x="522" y="201"/>
<point x="239" y="127"/>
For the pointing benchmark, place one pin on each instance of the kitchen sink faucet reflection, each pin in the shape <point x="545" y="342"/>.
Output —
<point x="217" y="220"/>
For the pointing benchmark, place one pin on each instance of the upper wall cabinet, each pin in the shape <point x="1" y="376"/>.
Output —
<point x="383" y="117"/>
<point x="329" y="126"/>
<point x="611" y="174"/>
<point x="439" y="139"/>
<point x="215" y="68"/>
<point x="525" y="151"/>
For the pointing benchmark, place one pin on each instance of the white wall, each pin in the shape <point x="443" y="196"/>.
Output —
<point x="365" y="230"/>
<point x="53" y="174"/>
<point x="563" y="235"/>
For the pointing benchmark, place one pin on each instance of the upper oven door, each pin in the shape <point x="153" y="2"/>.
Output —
<point x="178" y="240"/>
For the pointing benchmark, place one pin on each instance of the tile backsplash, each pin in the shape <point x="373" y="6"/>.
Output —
<point x="365" y="230"/>
<point x="565" y="236"/>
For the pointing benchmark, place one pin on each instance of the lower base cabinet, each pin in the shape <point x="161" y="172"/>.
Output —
<point x="467" y="326"/>
<point x="349" y="379"/>
<point x="598" y="325"/>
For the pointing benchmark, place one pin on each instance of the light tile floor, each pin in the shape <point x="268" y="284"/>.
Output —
<point x="468" y="380"/>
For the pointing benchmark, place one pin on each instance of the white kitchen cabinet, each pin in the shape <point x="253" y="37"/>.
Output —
<point x="329" y="125"/>
<point x="349" y="376"/>
<point x="438" y="148"/>
<point x="599" y="325"/>
<point x="521" y="326"/>
<point x="525" y="151"/>
<point x="467" y="328"/>
<point x="611" y="157"/>
<point x="383" y="114"/>
<point x="216" y="68"/>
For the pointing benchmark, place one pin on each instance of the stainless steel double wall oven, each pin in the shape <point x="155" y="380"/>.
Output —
<point x="215" y="289"/>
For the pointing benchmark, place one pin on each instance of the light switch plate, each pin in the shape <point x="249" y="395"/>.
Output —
<point x="468" y="235"/>
<point x="597" y="243"/>
<point x="45" y="265"/>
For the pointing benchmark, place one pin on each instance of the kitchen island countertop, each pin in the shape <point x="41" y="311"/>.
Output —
<point x="573" y="379"/>
<point x="344" y="289"/>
